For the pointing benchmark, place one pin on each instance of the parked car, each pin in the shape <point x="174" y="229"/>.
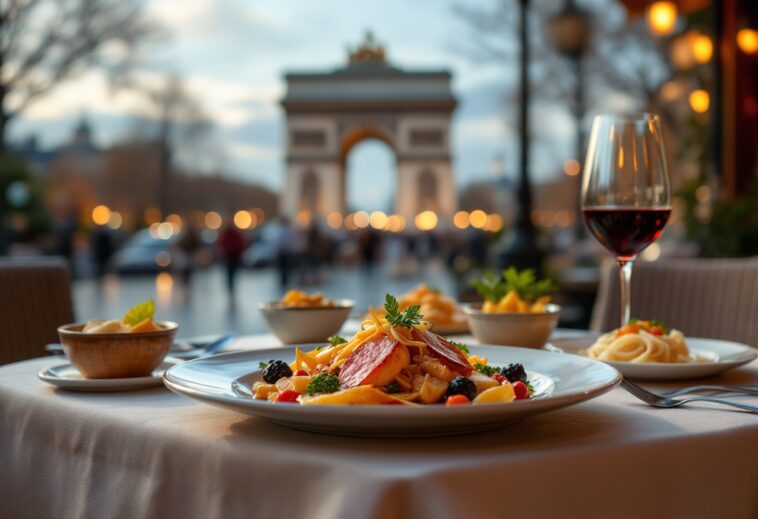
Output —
<point x="144" y="254"/>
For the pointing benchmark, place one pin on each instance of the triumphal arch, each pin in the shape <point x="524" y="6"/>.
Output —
<point x="328" y="113"/>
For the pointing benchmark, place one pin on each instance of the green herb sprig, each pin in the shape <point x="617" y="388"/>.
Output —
<point x="460" y="346"/>
<point x="140" y="312"/>
<point x="408" y="318"/>
<point x="493" y="287"/>
<point x="323" y="383"/>
<point x="486" y="370"/>
<point x="334" y="340"/>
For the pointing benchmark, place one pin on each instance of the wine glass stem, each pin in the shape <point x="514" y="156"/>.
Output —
<point x="625" y="273"/>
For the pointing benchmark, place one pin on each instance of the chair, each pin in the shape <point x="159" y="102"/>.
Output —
<point x="715" y="298"/>
<point x="35" y="298"/>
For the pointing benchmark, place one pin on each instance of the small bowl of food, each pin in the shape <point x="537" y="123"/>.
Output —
<point x="300" y="318"/>
<point x="439" y="309"/>
<point x="516" y="310"/>
<point x="131" y="347"/>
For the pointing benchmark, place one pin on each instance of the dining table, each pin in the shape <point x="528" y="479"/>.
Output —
<point x="154" y="454"/>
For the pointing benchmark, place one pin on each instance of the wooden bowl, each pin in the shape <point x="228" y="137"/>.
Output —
<point x="116" y="355"/>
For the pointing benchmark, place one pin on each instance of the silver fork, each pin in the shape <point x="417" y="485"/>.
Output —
<point x="666" y="401"/>
<point x="747" y="390"/>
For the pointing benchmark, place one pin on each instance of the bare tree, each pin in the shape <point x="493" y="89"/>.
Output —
<point x="45" y="42"/>
<point x="177" y="123"/>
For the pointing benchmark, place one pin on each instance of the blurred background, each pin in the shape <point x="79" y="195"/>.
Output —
<point x="212" y="154"/>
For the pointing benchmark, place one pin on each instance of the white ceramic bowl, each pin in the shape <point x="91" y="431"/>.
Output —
<point x="512" y="329"/>
<point x="305" y="325"/>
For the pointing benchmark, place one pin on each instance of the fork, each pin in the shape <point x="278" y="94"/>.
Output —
<point x="747" y="390"/>
<point x="666" y="401"/>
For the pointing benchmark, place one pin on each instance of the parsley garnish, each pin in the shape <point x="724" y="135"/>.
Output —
<point x="323" y="383"/>
<point x="486" y="370"/>
<point x="393" y="388"/>
<point x="530" y="387"/>
<point x="493" y="287"/>
<point x="407" y="318"/>
<point x="460" y="346"/>
<point x="264" y="365"/>
<point x="334" y="340"/>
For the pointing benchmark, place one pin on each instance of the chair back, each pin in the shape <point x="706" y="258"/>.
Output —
<point x="35" y="298"/>
<point x="714" y="298"/>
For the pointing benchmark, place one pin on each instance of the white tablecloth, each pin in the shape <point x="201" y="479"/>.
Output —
<point x="152" y="453"/>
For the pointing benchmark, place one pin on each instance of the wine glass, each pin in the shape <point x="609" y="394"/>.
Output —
<point x="626" y="197"/>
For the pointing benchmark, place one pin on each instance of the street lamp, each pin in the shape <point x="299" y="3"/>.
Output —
<point x="569" y="32"/>
<point x="522" y="251"/>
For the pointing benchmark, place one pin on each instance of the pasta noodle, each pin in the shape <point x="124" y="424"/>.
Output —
<point x="300" y="299"/>
<point x="641" y="346"/>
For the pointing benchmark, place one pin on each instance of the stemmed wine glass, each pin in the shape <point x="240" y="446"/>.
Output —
<point x="626" y="197"/>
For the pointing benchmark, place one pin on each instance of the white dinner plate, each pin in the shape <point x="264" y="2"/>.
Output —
<point x="559" y="380"/>
<point x="66" y="376"/>
<point x="715" y="356"/>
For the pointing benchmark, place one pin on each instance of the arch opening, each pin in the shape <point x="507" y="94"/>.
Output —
<point x="370" y="176"/>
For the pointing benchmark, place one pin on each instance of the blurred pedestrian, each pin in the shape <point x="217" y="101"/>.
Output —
<point x="64" y="229"/>
<point x="284" y="243"/>
<point x="102" y="249"/>
<point x="188" y="247"/>
<point x="369" y="243"/>
<point x="231" y="243"/>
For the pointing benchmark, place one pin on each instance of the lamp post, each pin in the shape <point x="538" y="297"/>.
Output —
<point x="569" y="30"/>
<point x="522" y="251"/>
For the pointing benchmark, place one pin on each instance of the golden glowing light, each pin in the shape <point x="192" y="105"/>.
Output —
<point x="243" y="219"/>
<point x="703" y="194"/>
<point x="164" y="283"/>
<point x="334" y="220"/>
<point x="747" y="40"/>
<point x="461" y="219"/>
<point x="153" y="229"/>
<point x="572" y="167"/>
<point x="671" y="90"/>
<point x="494" y="222"/>
<point x="152" y="215"/>
<point x="213" y="220"/>
<point x="303" y="218"/>
<point x="395" y="223"/>
<point x="661" y="18"/>
<point x="700" y="101"/>
<point x="361" y="219"/>
<point x="378" y="220"/>
<point x="350" y="222"/>
<point x="426" y="221"/>
<point x="176" y="222"/>
<point x="702" y="47"/>
<point x="478" y="219"/>
<point x="101" y="214"/>
<point x="115" y="220"/>
<point x="652" y="253"/>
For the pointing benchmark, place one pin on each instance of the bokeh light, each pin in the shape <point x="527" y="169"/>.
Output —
<point x="361" y="219"/>
<point x="334" y="220"/>
<point x="747" y="40"/>
<point x="213" y="220"/>
<point x="572" y="167"/>
<point x="115" y="220"/>
<point x="426" y="220"/>
<point x="661" y="18"/>
<point x="702" y="48"/>
<point x="478" y="219"/>
<point x="243" y="219"/>
<point x="378" y="220"/>
<point x="700" y="101"/>
<point x="461" y="219"/>
<point x="101" y="214"/>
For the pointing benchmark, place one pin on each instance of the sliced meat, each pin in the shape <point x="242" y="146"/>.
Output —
<point x="376" y="362"/>
<point x="443" y="351"/>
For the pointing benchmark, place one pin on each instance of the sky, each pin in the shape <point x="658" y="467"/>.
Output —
<point x="232" y="55"/>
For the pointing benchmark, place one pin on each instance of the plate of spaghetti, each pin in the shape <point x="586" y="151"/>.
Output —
<point x="394" y="377"/>
<point x="651" y="350"/>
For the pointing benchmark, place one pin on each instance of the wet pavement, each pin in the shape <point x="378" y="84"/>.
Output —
<point x="207" y="308"/>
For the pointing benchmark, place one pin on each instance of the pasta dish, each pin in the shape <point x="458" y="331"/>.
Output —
<point x="300" y="299"/>
<point x="438" y="309"/>
<point x="392" y="360"/>
<point x="641" y="341"/>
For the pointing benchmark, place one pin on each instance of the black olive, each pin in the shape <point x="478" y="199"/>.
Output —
<point x="275" y="370"/>
<point x="514" y="373"/>
<point x="462" y="386"/>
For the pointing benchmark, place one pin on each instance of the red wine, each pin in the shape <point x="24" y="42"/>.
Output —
<point x="626" y="231"/>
